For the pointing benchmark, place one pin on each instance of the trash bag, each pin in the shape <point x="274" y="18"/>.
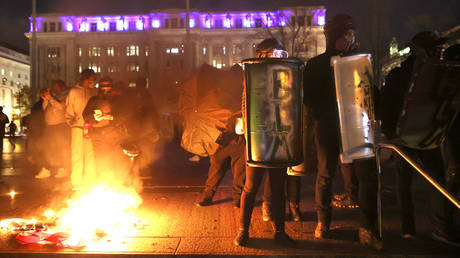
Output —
<point x="206" y="102"/>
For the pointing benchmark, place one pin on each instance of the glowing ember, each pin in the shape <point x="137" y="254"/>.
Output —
<point x="12" y="194"/>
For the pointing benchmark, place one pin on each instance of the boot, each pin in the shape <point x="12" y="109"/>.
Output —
<point x="205" y="198"/>
<point x="242" y="238"/>
<point x="295" y="212"/>
<point x="266" y="211"/>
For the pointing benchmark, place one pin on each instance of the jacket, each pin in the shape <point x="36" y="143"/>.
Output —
<point x="75" y="104"/>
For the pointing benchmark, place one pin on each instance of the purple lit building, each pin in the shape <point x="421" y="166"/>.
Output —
<point x="154" y="44"/>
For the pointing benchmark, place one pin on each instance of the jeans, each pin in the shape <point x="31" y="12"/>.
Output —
<point x="276" y="178"/>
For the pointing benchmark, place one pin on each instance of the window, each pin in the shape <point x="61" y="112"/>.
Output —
<point x="204" y="50"/>
<point x="113" y="68"/>
<point x="132" y="50"/>
<point x="309" y="20"/>
<point x="19" y="75"/>
<point x="93" y="26"/>
<point x="52" y="27"/>
<point x="11" y="73"/>
<point x="217" y="50"/>
<point x="218" y="23"/>
<point x="132" y="67"/>
<point x="237" y="49"/>
<point x="147" y="51"/>
<point x="239" y="23"/>
<point x="94" y="51"/>
<point x="132" y="85"/>
<point x="182" y="23"/>
<point x="301" y="21"/>
<point x="132" y="25"/>
<point x="80" y="51"/>
<point x="25" y="77"/>
<point x="95" y="67"/>
<point x="80" y="68"/>
<point x="113" y="26"/>
<point x="110" y="51"/>
<point x="53" y="52"/>
<point x="174" y="23"/>
<point x="166" y="23"/>
<point x="53" y="68"/>
<point x="11" y="83"/>
<point x="59" y="26"/>
<point x="4" y="82"/>
<point x="258" y="23"/>
<point x="3" y="71"/>
<point x="293" y="20"/>
<point x="45" y="27"/>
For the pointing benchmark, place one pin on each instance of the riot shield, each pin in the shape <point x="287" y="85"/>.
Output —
<point x="273" y="111"/>
<point x="353" y="76"/>
<point x="430" y="104"/>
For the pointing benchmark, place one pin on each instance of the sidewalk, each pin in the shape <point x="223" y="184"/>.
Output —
<point x="176" y="226"/>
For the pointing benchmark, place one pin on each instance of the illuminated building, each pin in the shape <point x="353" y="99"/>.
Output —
<point x="14" y="74"/>
<point x="153" y="45"/>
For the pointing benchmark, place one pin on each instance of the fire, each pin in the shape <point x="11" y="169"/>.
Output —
<point x="103" y="213"/>
<point x="96" y="220"/>
<point x="12" y="194"/>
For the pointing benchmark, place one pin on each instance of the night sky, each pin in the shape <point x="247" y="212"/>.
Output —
<point x="442" y="13"/>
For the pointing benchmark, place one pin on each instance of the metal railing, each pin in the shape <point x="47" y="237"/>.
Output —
<point x="396" y="149"/>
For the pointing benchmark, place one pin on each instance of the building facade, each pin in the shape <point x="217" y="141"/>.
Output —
<point x="159" y="47"/>
<point x="14" y="74"/>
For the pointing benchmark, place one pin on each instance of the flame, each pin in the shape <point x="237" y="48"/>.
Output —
<point x="12" y="194"/>
<point x="102" y="213"/>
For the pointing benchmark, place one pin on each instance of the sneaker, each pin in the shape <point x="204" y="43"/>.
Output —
<point x="283" y="239"/>
<point x="266" y="212"/>
<point x="446" y="237"/>
<point x="205" y="199"/>
<point x="321" y="230"/>
<point x="242" y="238"/>
<point x="369" y="238"/>
<point x="345" y="202"/>
<point x="295" y="211"/>
<point x="44" y="173"/>
<point x="62" y="173"/>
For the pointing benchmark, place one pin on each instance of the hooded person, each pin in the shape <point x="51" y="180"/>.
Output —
<point x="425" y="47"/>
<point x="107" y="134"/>
<point x="57" y="132"/>
<point x="320" y="102"/>
<point x="82" y="154"/>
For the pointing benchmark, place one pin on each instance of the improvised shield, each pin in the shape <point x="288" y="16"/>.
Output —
<point x="273" y="111"/>
<point x="353" y="76"/>
<point x="431" y="104"/>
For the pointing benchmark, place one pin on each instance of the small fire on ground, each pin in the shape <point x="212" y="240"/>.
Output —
<point x="97" y="219"/>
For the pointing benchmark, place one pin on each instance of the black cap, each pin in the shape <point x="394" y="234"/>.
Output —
<point x="427" y="39"/>
<point x="337" y="26"/>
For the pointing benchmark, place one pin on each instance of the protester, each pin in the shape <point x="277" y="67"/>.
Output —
<point x="81" y="146"/>
<point x="12" y="128"/>
<point x="254" y="176"/>
<point x="107" y="135"/>
<point x="57" y="132"/>
<point x="425" y="45"/>
<point x="230" y="154"/>
<point x="3" y="121"/>
<point x="320" y="101"/>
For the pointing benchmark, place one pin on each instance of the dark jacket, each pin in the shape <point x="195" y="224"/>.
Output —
<point x="319" y="88"/>
<point x="392" y="97"/>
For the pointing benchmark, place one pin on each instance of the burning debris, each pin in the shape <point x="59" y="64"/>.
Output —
<point x="93" y="218"/>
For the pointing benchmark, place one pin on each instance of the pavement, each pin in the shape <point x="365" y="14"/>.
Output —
<point x="176" y="226"/>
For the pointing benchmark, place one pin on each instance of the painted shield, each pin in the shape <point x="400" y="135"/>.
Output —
<point x="273" y="111"/>
<point x="353" y="76"/>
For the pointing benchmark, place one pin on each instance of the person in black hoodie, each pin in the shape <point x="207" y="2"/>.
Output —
<point x="425" y="45"/>
<point x="320" y="101"/>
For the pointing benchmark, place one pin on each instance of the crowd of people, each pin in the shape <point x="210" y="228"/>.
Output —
<point x="82" y="132"/>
